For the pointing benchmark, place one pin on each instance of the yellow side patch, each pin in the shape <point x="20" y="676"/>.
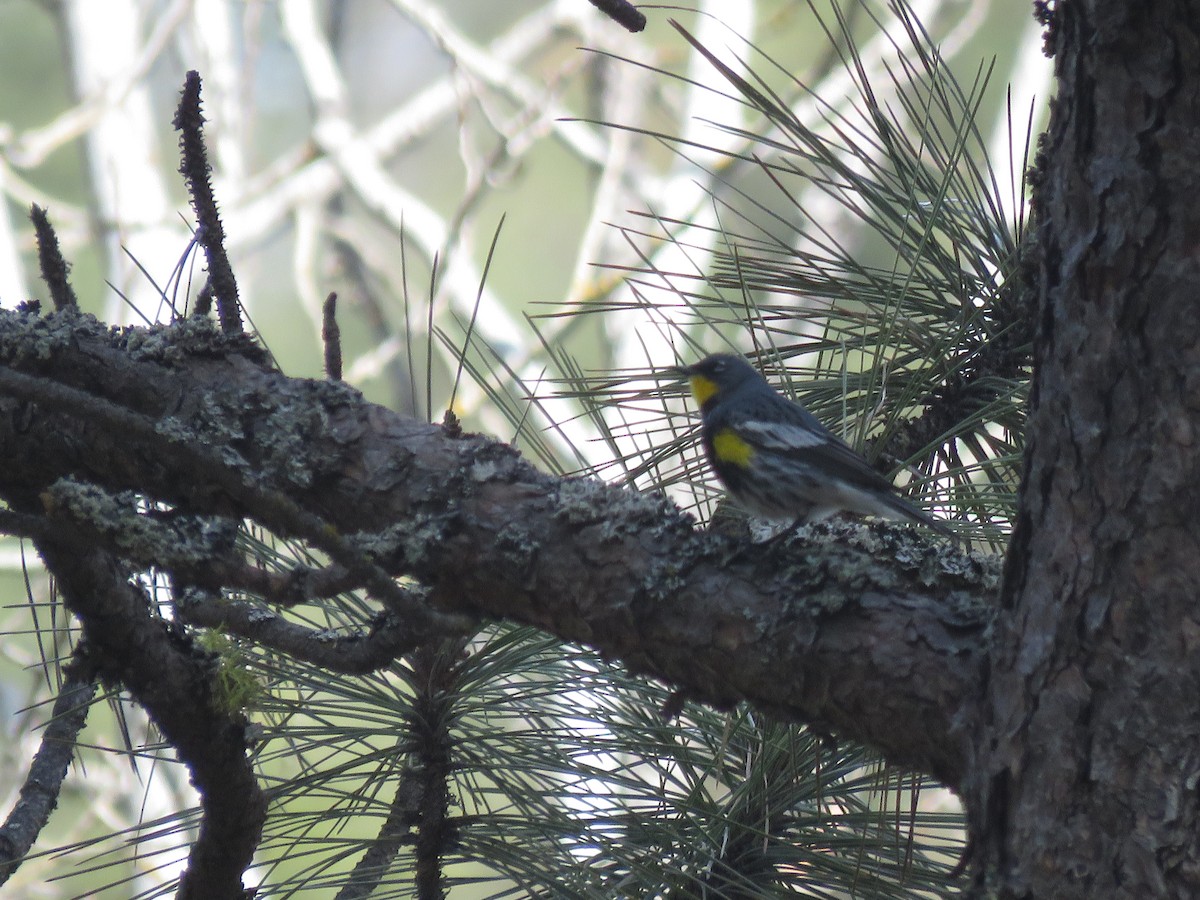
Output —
<point x="702" y="388"/>
<point x="731" y="449"/>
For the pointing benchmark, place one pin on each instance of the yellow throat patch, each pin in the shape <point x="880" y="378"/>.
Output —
<point x="702" y="388"/>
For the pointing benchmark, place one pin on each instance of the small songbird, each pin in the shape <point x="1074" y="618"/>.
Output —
<point x="776" y="459"/>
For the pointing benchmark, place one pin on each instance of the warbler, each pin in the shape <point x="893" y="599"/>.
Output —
<point x="776" y="459"/>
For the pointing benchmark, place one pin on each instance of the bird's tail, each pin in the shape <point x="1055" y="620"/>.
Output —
<point x="906" y="510"/>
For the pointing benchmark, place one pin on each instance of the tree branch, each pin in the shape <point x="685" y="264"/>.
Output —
<point x="870" y="632"/>
<point x="170" y="678"/>
<point x="623" y="13"/>
<point x="195" y="168"/>
<point x="50" y="260"/>
<point x="214" y="481"/>
<point x="355" y="653"/>
<point x="39" y="793"/>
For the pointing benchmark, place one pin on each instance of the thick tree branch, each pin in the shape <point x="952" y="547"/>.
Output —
<point x="216" y="482"/>
<point x="171" y="679"/>
<point x="870" y="632"/>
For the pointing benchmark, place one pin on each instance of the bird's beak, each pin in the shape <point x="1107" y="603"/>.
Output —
<point x="681" y="372"/>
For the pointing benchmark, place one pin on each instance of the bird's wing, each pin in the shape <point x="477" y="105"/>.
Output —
<point x="816" y="446"/>
<point x="805" y="440"/>
<point x="809" y="443"/>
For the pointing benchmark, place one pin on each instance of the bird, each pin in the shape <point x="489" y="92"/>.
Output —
<point x="776" y="459"/>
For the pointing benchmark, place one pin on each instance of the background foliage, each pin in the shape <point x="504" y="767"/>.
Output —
<point x="836" y="188"/>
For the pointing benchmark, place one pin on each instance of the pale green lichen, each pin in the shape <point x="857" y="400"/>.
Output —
<point x="236" y="687"/>
<point x="411" y="540"/>
<point x="27" y="336"/>
<point x="126" y="522"/>
<point x="517" y="547"/>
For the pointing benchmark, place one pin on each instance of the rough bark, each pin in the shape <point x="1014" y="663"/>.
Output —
<point x="875" y="633"/>
<point x="1090" y="759"/>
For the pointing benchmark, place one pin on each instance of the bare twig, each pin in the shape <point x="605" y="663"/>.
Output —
<point x="39" y="793"/>
<point x="195" y="168"/>
<point x="623" y="13"/>
<point x="394" y="834"/>
<point x="50" y="260"/>
<point x="434" y="672"/>
<point x="352" y="653"/>
<point x="332" y="336"/>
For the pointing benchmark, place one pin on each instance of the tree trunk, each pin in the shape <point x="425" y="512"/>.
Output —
<point x="1089" y="758"/>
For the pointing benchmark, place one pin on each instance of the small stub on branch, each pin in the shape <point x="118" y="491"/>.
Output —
<point x="50" y="260"/>
<point x="622" y="12"/>
<point x="452" y="425"/>
<point x="332" y="337"/>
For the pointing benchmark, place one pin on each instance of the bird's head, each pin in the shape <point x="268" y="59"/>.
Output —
<point x="718" y="374"/>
